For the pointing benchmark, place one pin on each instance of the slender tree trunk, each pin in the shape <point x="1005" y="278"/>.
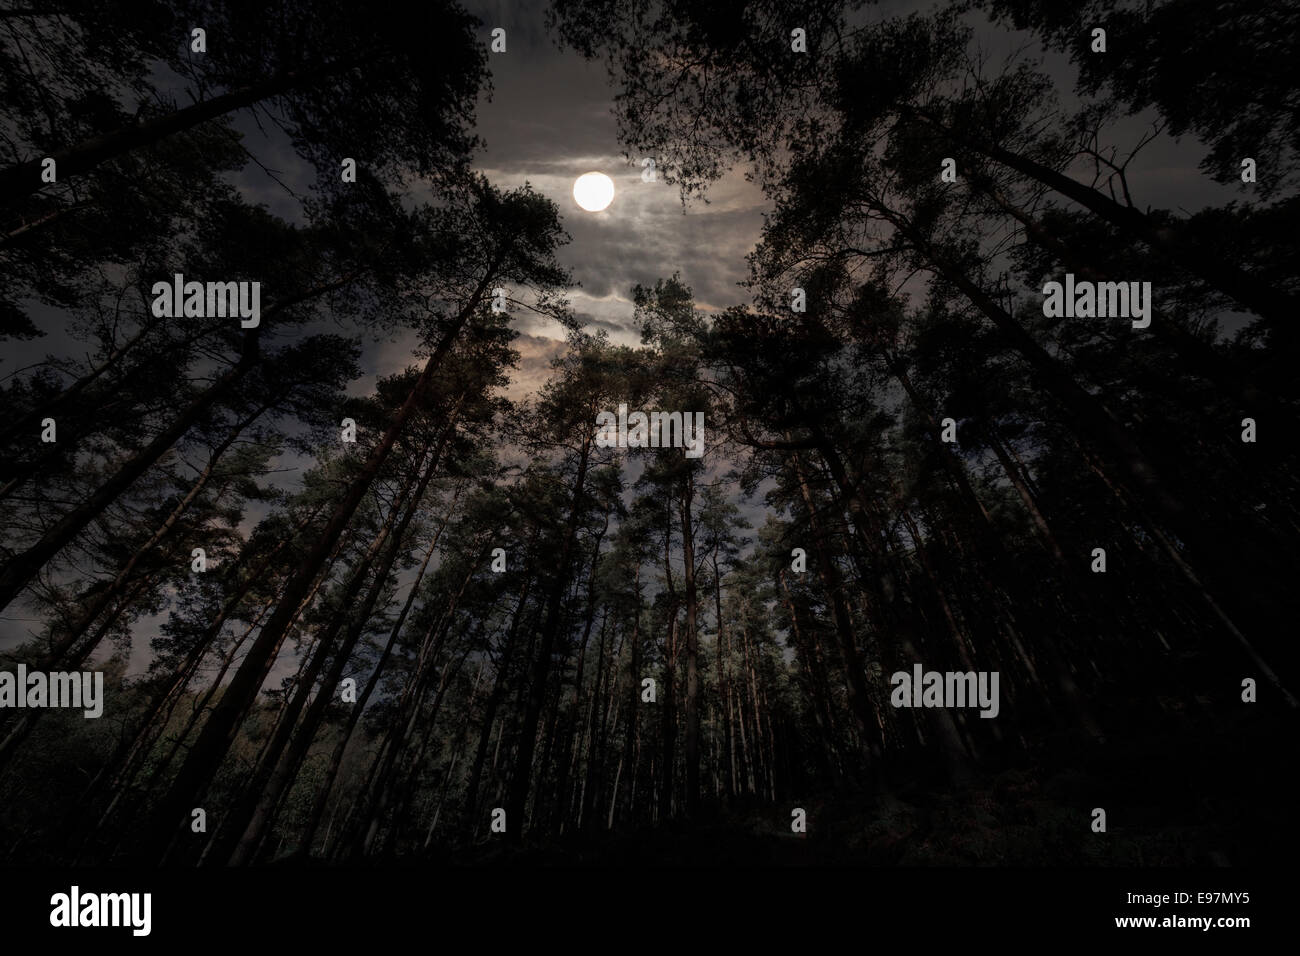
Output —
<point x="817" y="685"/>
<point x="1027" y="497"/>
<point x="214" y="740"/>
<point x="456" y="751"/>
<point x="404" y="784"/>
<point x="727" y="755"/>
<point x="163" y="705"/>
<point x="1200" y="357"/>
<point x="668" y="765"/>
<point x="692" y="655"/>
<point x="952" y="464"/>
<point x="1276" y="307"/>
<point x="854" y="672"/>
<point x="101" y="600"/>
<point x="493" y="704"/>
<point x="597" y="714"/>
<point x="633" y="697"/>
<point x="569" y="756"/>
<point x="242" y="825"/>
<point x="263" y="815"/>
<point x="354" y="714"/>
<point x="372" y="803"/>
<point x="19" y="570"/>
<point x="20" y="181"/>
<point x="542" y="662"/>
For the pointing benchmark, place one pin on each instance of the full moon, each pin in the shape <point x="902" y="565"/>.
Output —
<point x="593" y="191"/>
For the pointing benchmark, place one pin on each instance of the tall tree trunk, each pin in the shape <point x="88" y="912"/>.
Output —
<point x="1200" y="356"/>
<point x="102" y="599"/>
<point x="242" y="824"/>
<point x="951" y="463"/>
<point x="624" y="796"/>
<point x="23" y="179"/>
<point x="668" y="730"/>
<point x="263" y="815"/>
<point x="358" y="834"/>
<point x="854" y="672"/>
<point x="19" y="570"/>
<point x="597" y="714"/>
<point x="724" y="687"/>
<point x="817" y="685"/>
<point x="569" y="755"/>
<point x="213" y="742"/>
<point x="692" y="654"/>
<point x="493" y="704"/>
<point x="354" y="714"/>
<point x="1027" y="497"/>
<point x="542" y="662"/>
<point x="404" y="784"/>
<point x="1276" y="307"/>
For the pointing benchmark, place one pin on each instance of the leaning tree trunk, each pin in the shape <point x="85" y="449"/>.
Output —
<point x="263" y="815"/>
<point x="354" y="715"/>
<point x="1276" y="307"/>
<point x="19" y="570"/>
<point x="19" y="181"/>
<point x="215" y="739"/>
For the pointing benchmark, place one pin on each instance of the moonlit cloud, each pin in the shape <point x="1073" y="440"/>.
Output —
<point x="548" y="121"/>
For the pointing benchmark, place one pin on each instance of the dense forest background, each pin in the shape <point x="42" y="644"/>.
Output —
<point x="394" y="640"/>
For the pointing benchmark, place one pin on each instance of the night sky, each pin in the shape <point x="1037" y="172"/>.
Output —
<point x="547" y="120"/>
